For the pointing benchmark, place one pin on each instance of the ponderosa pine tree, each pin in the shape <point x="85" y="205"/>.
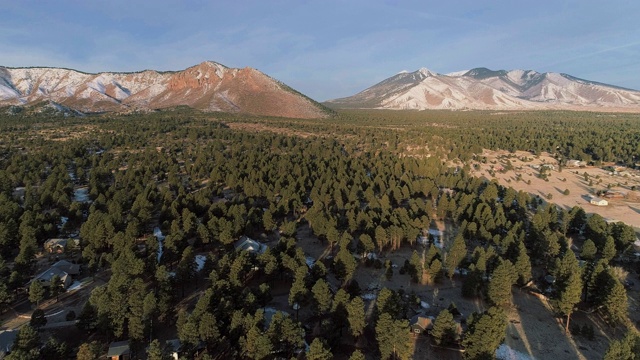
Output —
<point x="615" y="303"/>
<point x="444" y="328"/>
<point x="589" y="250"/>
<point x="502" y="278"/>
<point x="392" y="336"/>
<point x="456" y="254"/>
<point x="569" y="286"/>
<point x="523" y="264"/>
<point x="318" y="350"/>
<point x="626" y="348"/>
<point x="484" y="334"/>
<point x="322" y="296"/>
<point x="356" y="316"/>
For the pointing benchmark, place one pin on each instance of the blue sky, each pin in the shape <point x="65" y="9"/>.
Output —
<point x="328" y="49"/>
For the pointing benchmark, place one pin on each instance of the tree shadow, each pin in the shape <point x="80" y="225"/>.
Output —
<point x="535" y="331"/>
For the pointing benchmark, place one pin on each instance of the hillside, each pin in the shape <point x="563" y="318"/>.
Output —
<point x="485" y="89"/>
<point x="207" y="86"/>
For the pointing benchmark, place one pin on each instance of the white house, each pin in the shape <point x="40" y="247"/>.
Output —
<point x="598" y="201"/>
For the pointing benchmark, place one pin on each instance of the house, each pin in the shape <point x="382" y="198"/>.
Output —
<point x="55" y="246"/>
<point x="69" y="268"/>
<point x="420" y="324"/>
<point x="59" y="246"/>
<point x="576" y="163"/>
<point x="174" y="348"/>
<point x="7" y="337"/>
<point x="119" y="350"/>
<point x="599" y="202"/>
<point x="63" y="269"/>
<point x="247" y="244"/>
<point x="46" y="276"/>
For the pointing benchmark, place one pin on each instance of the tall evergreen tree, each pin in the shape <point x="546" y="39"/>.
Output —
<point x="484" y="334"/>
<point x="36" y="292"/>
<point x="570" y="287"/>
<point x="318" y="350"/>
<point x="456" y="254"/>
<point x="392" y="336"/>
<point x="322" y="296"/>
<point x="444" y="328"/>
<point x="502" y="278"/>
<point x="615" y="303"/>
<point x="356" y="316"/>
<point x="523" y="264"/>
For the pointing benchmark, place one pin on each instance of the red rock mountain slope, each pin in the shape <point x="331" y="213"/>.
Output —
<point x="207" y="86"/>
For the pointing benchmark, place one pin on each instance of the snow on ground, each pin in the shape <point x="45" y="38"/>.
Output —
<point x="504" y="352"/>
<point x="424" y="305"/>
<point x="81" y="195"/>
<point x="63" y="220"/>
<point x="158" y="234"/>
<point x="77" y="285"/>
<point x="200" y="260"/>
<point x="369" y="296"/>
<point x="310" y="261"/>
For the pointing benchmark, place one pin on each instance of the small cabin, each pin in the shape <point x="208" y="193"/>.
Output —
<point x="598" y="201"/>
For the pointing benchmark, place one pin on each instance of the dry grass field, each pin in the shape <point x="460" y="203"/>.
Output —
<point x="522" y="174"/>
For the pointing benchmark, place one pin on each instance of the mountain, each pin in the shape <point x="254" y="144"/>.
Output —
<point x="207" y="86"/>
<point x="486" y="89"/>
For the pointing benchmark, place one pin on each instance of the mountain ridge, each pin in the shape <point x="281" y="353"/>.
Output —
<point x="208" y="86"/>
<point x="486" y="89"/>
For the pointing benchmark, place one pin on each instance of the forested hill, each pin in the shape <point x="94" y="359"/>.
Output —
<point x="168" y="195"/>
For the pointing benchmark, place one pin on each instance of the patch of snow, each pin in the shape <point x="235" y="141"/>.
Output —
<point x="81" y="195"/>
<point x="7" y="93"/>
<point x="77" y="285"/>
<point x="457" y="73"/>
<point x="55" y="313"/>
<point x="369" y="296"/>
<point x="424" y="305"/>
<point x="158" y="234"/>
<point x="427" y="72"/>
<point x="200" y="260"/>
<point x="63" y="220"/>
<point x="310" y="261"/>
<point x="504" y="352"/>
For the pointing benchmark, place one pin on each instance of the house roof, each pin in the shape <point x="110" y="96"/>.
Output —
<point x="48" y="274"/>
<point x="64" y="265"/>
<point x="55" y="242"/>
<point x="247" y="244"/>
<point x="118" y="348"/>
<point x="7" y="337"/>
<point x="423" y="322"/>
<point x="175" y="344"/>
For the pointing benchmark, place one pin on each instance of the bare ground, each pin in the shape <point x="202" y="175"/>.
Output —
<point x="626" y="209"/>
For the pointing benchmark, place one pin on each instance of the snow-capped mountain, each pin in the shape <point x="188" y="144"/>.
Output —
<point x="206" y="86"/>
<point x="482" y="88"/>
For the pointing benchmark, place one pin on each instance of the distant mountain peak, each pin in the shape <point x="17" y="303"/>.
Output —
<point x="208" y="86"/>
<point x="426" y="72"/>
<point x="483" y="88"/>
